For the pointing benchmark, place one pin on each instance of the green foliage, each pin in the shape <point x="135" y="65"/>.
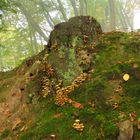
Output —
<point x="5" y="134"/>
<point x="4" y="4"/>
<point x="13" y="52"/>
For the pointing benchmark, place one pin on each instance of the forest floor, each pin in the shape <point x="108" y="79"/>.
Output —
<point x="13" y="110"/>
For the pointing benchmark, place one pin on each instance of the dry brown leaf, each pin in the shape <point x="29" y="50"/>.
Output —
<point x="16" y="123"/>
<point x="77" y="105"/>
<point x="58" y="115"/>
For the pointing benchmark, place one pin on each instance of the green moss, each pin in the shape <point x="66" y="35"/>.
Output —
<point x="110" y="129"/>
<point x="64" y="40"/>
<point x="132" y="88"/>
<point x="75" y="41"/>
<point x="61" y="52"/>
<point x="5" y="134"/>
<point x="114" y="55"/>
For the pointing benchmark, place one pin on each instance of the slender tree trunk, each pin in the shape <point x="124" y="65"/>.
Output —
<point x="61" y="8"/>
<point x="48" y="20"/>
<point x="122" y="22"/>
<point x="32" y="48"/>
<point x="125" y="17"/>
<point x="85" y="1"/>
<point x="32" y="21"/>
<point x="35" y="43"/>
<point x="73" y="3"/>
<point x="46" y="14"/>
<point x="129" y="19"/>
<point x="81" y="7"/>
<point x="112" y="15"/>
<point x="1" y="59"/>
<point x="42" y="45"/>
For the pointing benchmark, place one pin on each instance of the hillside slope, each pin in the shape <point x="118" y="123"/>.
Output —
<point x="84" y="75"/>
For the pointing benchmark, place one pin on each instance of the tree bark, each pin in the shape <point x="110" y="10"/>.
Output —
<point x="46" y="14"/>
<point x="81" y="7"/>
<point x="73" y="3"/>
<point x="61" y="8"/>
<point x="112" y="15"/>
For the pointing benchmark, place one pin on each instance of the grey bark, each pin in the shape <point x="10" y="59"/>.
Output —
<point x="128" y="17"/>
<point x="46" y="14"/>
<point x="73" y="3"/>
<point x="62" y="10"/>
<point x="112" y="15"/>
<point x="81" y="7"/>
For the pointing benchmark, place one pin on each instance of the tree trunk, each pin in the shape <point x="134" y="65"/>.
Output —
<point x="46" y="14"/>
<point x="112" y="15"/>
<point x="62" y="10"/>
<point x="32" y="21"/>
<point x="73" y="3"/>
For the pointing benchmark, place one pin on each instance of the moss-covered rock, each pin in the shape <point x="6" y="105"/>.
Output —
<point x="69" y="42"/>
<point x="102" y="59"/>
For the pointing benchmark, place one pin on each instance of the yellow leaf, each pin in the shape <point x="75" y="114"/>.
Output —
<point x="126" y="77"/>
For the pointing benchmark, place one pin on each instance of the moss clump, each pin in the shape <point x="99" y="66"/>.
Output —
<point x="5" y="134"/>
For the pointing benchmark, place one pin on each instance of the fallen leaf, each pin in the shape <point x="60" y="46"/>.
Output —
<point x="133" y="114"/>
<point x="126" y="77"/>
<point x="77" y="105"/>
<point x="138" y="123"/>
<point x="16" y="123"/>
<point x="23" y="128"/>
<point x="58" y="115"/>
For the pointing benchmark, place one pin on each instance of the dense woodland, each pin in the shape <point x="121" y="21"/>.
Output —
<point x="25" y="25"/>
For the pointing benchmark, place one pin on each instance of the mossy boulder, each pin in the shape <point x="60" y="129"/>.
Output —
<point x="70" y="53"/>
<point x="105" y="58"/>
<point x="82" y="27"/>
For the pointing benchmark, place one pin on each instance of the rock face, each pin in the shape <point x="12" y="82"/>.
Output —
<point x="69" y="44"/>
<point x="81" y="26"/>
<point x="126" y="130"/>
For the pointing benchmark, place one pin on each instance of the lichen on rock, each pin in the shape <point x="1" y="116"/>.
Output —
<point x="70" y="53"/>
